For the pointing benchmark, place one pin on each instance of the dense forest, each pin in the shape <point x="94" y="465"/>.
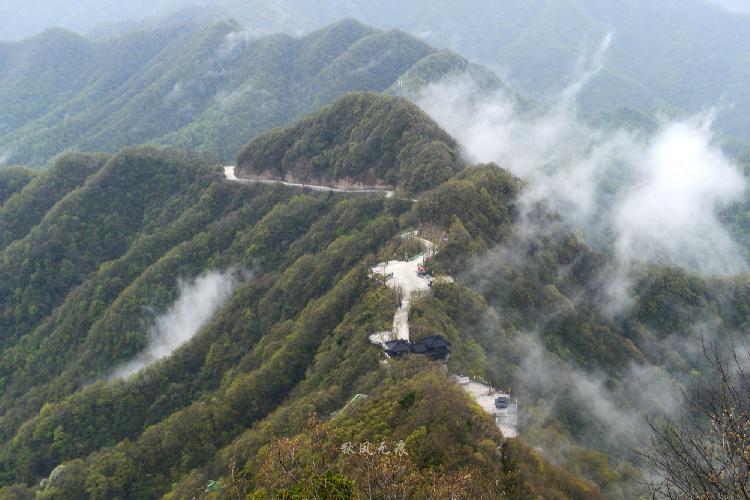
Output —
<point x="534" y="44"/>
<point x="273" y="369"/>
<point x="291" y="342"/>
<point x="168" y="331"/>
<point x="202" y="87"/>
<point x="362" y="139"/>
<point x="671" y="56"/>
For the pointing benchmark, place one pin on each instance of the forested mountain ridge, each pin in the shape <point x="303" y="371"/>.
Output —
<point x="82" y="286"/>
<point x="671" y="56"/>
<point x="168" y="330"/>
<point x="202" y="87"/>
<point x="378" y="141"/>
<point x="12" y="180"/>
<point x="98" y="245"/>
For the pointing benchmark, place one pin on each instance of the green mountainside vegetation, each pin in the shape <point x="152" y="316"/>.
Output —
<point x="291" y="342"/>
<point x="279" y="393"/>
<point x="202" y="87"/>
<point x="94" y="251"/>
<point x="737" y="216"/>
<point x="363" y="139"/>
<point x="12" y="180"/>
<point x="19" y="19"/>
<point x="670" y="56"/>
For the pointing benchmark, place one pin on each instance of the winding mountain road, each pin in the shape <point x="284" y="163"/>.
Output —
<point x="403" y="275"/>
<point x="229" y="173"/>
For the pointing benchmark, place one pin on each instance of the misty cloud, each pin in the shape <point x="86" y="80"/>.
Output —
<point x="196" y="304"/>
<point x="670" y="214"/>
<point x="649" y="198"/>
<point x="176" y="94"/>
<point x="586" y="70"/>
<point x="236" y="40"/>
<point x="644" y="390"/>
<point x="644" y="197"/>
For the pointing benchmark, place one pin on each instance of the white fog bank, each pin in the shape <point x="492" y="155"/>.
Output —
<point x="651" y="197"/>
<point x="197" y="302"/>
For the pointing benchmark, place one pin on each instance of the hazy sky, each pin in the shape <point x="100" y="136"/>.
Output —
<point x="735" y="5"/>
<point x="22" y="18"/>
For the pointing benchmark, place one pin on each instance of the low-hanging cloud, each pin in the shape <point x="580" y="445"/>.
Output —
<point x="586" y="70"/>
<point x="650" y="197"/>
<point x="176" y="94"/>
<point x="670" y="214"/>
<point x="644" y="391"/>
<point x="235" y="41"/>
<point x="197" y="302"/>
<point x="643" y="196"/>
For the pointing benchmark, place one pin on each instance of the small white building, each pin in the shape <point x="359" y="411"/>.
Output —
<point x="495" y="402"/>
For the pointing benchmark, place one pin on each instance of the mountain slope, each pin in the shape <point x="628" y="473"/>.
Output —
<point x="19" y="20"/>
<point x="115" y="243"/>
<point x="13" y="180"/>
<point x="82" y="289"/>
<point x="21" y="213"/>
<point x="378" y="141"/>
<point x="670" y="56"/>
<point x="206" y="88"/>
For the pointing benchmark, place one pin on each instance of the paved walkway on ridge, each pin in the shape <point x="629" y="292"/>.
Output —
<point x="402" y="274"/>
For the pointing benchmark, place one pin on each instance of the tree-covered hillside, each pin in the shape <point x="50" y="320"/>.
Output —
<point x="673" y="56"/>
<point x="100" y="254"/>
<point x="13" y="180"/>
<point x="19" y="19"/>
<point x="360" y="139"/>
<point x="202" y="87"/>
<point x="99" y="249"/>
<point x="670" y="55"/>
<point x="169" y="330"/>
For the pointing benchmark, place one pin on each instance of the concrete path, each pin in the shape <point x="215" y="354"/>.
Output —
<point x="401" y="275"/>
